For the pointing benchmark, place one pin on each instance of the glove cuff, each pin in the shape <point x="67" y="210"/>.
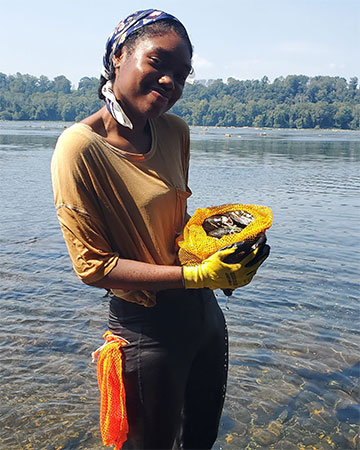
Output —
<point x="191" y="277"/>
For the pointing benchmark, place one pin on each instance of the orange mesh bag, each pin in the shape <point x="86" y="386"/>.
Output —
<point x="113" y="419"/>
<point x="195" y="244"/>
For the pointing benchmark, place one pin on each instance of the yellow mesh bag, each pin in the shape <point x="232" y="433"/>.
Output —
<point x="195" y="244"/>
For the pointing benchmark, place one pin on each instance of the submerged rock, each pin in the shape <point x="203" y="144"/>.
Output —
<point x="264" y="437"/>
<point x="350" y="414"/>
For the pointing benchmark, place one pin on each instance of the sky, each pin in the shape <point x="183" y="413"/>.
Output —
<point x="243" y="39"/>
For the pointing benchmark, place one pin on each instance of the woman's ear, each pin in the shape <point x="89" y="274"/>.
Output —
<point x="118" y="57"/>
<point x="116" y="62"/>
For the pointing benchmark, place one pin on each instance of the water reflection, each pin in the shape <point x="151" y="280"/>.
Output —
<point x="269" y="148"/>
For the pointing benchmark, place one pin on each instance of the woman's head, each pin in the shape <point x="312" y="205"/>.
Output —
<point x="149" y="22"/>
<point x="134" y="58"/>
<point x="140" y="25"/>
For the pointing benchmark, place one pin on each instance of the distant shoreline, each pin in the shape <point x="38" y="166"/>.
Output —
<point x="200" y="127"/>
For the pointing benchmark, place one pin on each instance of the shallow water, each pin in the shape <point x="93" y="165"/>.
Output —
<point x="294" y="333"/>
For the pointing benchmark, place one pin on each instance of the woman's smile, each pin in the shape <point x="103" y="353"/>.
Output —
<point x="160" y="96"/>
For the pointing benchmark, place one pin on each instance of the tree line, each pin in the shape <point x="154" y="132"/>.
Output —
<point x="26" y="97"/>
<point x="295" y="101"/>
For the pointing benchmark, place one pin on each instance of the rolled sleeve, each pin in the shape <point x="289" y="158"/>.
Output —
<point x="89" y="250"/>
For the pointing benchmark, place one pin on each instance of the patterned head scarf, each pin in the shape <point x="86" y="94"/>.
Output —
<point x="126" y="27"/>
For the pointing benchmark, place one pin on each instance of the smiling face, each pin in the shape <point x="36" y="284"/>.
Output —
<point x="150" y="79"/>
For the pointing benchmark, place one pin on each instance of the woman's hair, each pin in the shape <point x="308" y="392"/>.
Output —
<point x="158" y="28"/>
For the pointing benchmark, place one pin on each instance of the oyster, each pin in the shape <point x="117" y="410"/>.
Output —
<point x="227" y="223"/>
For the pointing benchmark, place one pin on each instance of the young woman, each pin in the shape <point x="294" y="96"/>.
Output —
<point x="120" y="182"/>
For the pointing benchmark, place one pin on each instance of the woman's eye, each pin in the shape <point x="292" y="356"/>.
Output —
<point x="155" y="60"/>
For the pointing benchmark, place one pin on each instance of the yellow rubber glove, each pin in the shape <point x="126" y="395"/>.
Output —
<point x="214" y="273"/>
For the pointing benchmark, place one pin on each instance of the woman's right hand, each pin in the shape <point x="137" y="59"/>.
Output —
<point x="214" y="273"/>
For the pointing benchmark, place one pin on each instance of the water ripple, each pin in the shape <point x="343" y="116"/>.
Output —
<point x="294" y="335"/>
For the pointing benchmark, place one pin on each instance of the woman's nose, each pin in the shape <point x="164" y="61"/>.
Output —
<point x="167" y="80"/>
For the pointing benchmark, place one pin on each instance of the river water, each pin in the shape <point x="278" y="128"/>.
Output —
<point x="294" y="331"/>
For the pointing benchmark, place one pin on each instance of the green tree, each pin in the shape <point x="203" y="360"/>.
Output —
<point x="62" y="85"/>
<point x="87" y="84"/>
<point x="343" y="116"/>
<point x="43" y="84"/>
<point x="281" y="116"/>
<point x="355" y="123"/>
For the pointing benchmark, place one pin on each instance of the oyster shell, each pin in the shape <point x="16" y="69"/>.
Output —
<point x="230" y="222"/>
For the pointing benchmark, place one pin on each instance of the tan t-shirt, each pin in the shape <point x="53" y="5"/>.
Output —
<point x="113" y="204"/>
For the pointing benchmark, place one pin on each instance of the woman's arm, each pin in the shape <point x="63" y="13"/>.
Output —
<point x="136" y="275"/>
<point x="213" y="273"/>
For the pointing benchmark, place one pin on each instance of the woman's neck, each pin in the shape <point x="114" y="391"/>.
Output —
<point x="136" y="140"/>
